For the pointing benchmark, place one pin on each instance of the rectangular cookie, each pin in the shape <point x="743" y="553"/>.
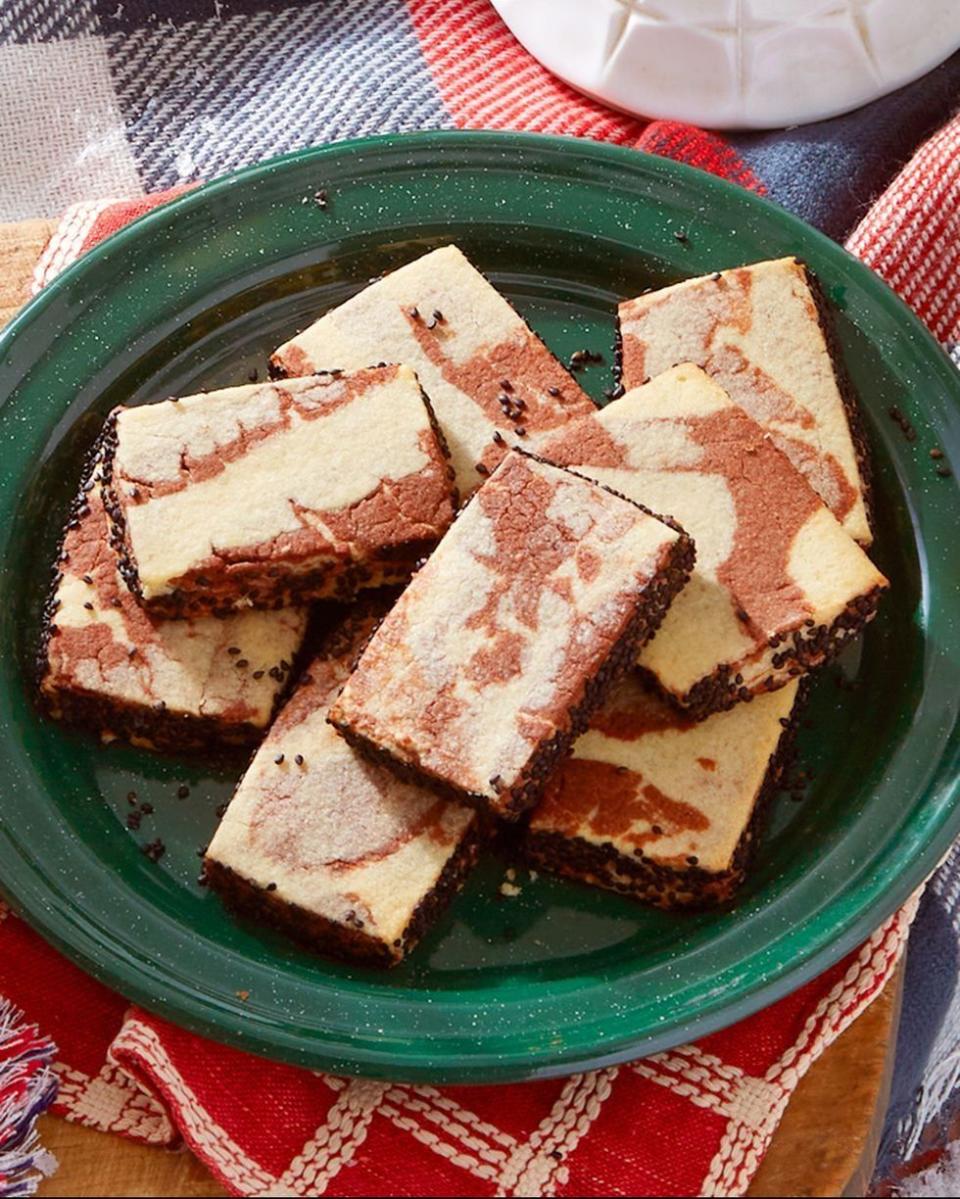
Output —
<point x="483" y="368"/>
<point x="275" y="493"/>
<point x="765" y="334"/>
<point x="172" y="685"/>
<point x="506" y="640"/>
<point x="779" y="587"/>
<point x="659" y="807"/>
<point x="337" y="852"/>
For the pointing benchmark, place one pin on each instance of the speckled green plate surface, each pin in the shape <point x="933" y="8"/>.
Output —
<point x="198" y="293"/>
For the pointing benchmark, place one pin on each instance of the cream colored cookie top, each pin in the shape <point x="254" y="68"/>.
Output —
<point x="757" y="331"/>
<point x="492" y="644"/>
<point x="335" y="835"/>
<point x="770" y="556"/>
<point x="644" y="777"/>
<point x="480" y="364"/>
<point x="106" y="646"/>
<point x="285" y="473"/>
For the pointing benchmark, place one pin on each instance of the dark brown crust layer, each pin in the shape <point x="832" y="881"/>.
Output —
<point x="152" y="728"/>
<point x="848" y="393"/>
<point x="513" y="802"/>
<point x="691" y="888"/>
<point x="803" y="650"/>
<point x="266" y="586"/>
<point x="340" y="940"/>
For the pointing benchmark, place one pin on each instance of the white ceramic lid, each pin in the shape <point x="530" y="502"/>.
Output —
<point x="736" y="63"/>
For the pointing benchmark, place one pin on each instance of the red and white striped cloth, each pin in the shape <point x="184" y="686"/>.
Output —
<point x="693" y="1120"/>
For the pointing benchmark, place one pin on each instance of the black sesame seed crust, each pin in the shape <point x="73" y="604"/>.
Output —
<point x="689" y="887"/>
<point x="802" y="650"/>
<point x="342" y="940"/>
<point x="511" y="802"/>
<point x="848" y="393"/>
<point x="329" y="581"/>
<point x="148" y="727"/>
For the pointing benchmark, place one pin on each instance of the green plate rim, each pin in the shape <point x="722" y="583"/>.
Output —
<point x="829" y="939"/>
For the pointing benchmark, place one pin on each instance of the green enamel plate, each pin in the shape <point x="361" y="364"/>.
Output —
<point x="196" y="294"/>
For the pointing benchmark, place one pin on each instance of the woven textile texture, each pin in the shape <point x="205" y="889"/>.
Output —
<point x="124" y="97"/>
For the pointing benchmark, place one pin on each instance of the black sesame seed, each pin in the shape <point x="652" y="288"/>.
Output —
<point x="944" y="471"/>
<point x="183" y="791"/>
<point x="681" y="235"/>
<point x="481" y="469"/>
<point x="133" y="820"/>
<point x="693" y="860"/>
<point x="87" y="579"/>
<point x="498" y="437"/>
<point x="242" y="663"/>
<point x="299" y="759"/>
<point x="438" y="316"/>
<point x="716" y="276"/>
<point x="506" y="385"/>
<point x="415" y="313"/>
<point x="222" y="808"/>
<point x="201" y="851"/>
<point x="154" y="850"/>
<point x="553" y="391"/>
<point x="520" y="431"/>
<point x="278" y="759"/>
<point x="131" y="797"/>
<point x="657" y="830"/>
<point x="271" y="886"/>
<point x="936" y="453"/>
<point x="233" y="649"/>
<point x="258" y="674"/>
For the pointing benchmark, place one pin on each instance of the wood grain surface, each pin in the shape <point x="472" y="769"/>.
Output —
<point x="827" y="1139"/>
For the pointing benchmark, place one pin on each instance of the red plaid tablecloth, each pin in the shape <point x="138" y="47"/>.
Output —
<point x="693" y="1120"/>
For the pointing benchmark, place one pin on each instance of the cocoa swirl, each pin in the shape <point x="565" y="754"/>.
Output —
<point x="93" y="562"/>
<point x="587" y="797"/>
<point x="523" y="362"/>
<point x="723" y="304"/>
<point x="327" y="394"/>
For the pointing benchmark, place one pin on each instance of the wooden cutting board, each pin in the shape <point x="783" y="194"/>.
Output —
<point x="827" y="1140"/>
